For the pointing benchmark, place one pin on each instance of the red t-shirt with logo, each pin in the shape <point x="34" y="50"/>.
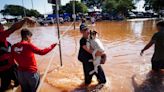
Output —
<point x="23" y="52"/>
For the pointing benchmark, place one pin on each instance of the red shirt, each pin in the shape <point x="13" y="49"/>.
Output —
<point x="3" y="36"/>
<point x="23" y="52"/>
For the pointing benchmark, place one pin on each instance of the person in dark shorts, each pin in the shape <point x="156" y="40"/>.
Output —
<point x="158" y="56"/>
<point x="85" y="55"/>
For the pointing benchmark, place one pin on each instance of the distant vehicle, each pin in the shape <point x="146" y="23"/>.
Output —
<point x="61" y="20"/>
<point x="3" y="21"/>
<point x="88" y="17"/>
<point x="105" y="16"/>
<point x="139" y="15"/>
<point x="67" y="19"/>
<point x="131" y="15"/>
<point x="119" y="17"/>
<point x="45" y="21"/>
<point x="49" y="21"/>
<point x="161" y="12"/>
<point x="98" y="16"/>
<point x="155" y="15"/>
<point x="148" y="15"/>
<point x="78" y="18"/>
<point x="109" y="16"/>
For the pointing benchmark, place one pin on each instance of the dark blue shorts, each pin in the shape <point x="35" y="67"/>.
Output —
<point x="28" y="81"/>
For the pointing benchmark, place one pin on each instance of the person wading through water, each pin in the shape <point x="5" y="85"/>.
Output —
<point x="85" y="55"/>
<point x="23" y="53"/>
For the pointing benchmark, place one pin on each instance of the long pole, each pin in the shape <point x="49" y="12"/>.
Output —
<point x="24" y="9"/>
<point x="32" y="4"/>
<point x="57" y="18"/>
<point x="74" y="15"/>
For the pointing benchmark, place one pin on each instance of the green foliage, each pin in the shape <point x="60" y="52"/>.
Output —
<point x="109" y="5"/>
<point x="119" y="6"/>
<point x="61" y="9"/>
<point x="156" y="5"/>
<point x="16" y="10"/>
<point x="80" y="7"/>
<point x="33" y="13"/>
<point x="97" y="3"/>
<point x="3" y="12"/>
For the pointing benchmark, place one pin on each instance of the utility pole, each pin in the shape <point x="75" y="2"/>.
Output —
<point x="57" y="18"/>
<point x="56" y="3"/>
<point x="32" y="4"/>
<point x="24" y="9"/>
<point x="74" y="15"/>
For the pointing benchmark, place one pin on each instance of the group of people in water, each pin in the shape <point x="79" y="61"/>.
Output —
<point x="17" y="62"/>
<point x="95" y="49"/>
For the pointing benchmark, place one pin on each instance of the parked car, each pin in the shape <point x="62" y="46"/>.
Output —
<point x="67" y="19"/>
<point x="3" y="21"/>
<point x="131" y="15"/>
<point x="61" y="20"/>
<point x="155" y="15"/>
<point x="78" y="18"/>
<point x="105" y="16"/>
<point x="139" y="15"/>
<point x="45" y="21"/>
<point x="88" y="17"/>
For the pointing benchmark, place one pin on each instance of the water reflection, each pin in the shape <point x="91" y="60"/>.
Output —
<point x="137" y="28"/>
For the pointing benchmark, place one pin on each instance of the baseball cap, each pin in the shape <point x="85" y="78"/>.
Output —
<point x="83" y="27"/>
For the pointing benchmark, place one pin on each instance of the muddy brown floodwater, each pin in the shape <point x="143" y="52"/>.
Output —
<point x="125" y="69"/>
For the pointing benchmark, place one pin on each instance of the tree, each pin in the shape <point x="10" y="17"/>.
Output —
<point x="89" y="3"/>
<point x="16" y="10"/>
<point x="118" y="6"/>
<point x="124" y="5"/>
<point x="3" y="12"/>
<point x="34" y="13"/>
<point x="61" y="9"/>
<point x="79" y="7"/>
<point x="155" y="5"/>
<point x="109" y="6"/>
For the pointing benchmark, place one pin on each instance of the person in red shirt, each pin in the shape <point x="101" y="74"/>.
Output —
<point x="23" y="53"/>
<point x="6" y="66"/>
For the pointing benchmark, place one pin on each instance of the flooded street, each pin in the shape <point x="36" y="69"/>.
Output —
<point x="125" y="69"/>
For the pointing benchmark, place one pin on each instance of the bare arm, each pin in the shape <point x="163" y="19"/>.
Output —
<point x="98" y="53"/>
<point x="19" y="24"/>
<point x="146" y="47"/>
<point x="15" y="26"/>
<point x="86" y="49"/>
<point x="42" y="51"/>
